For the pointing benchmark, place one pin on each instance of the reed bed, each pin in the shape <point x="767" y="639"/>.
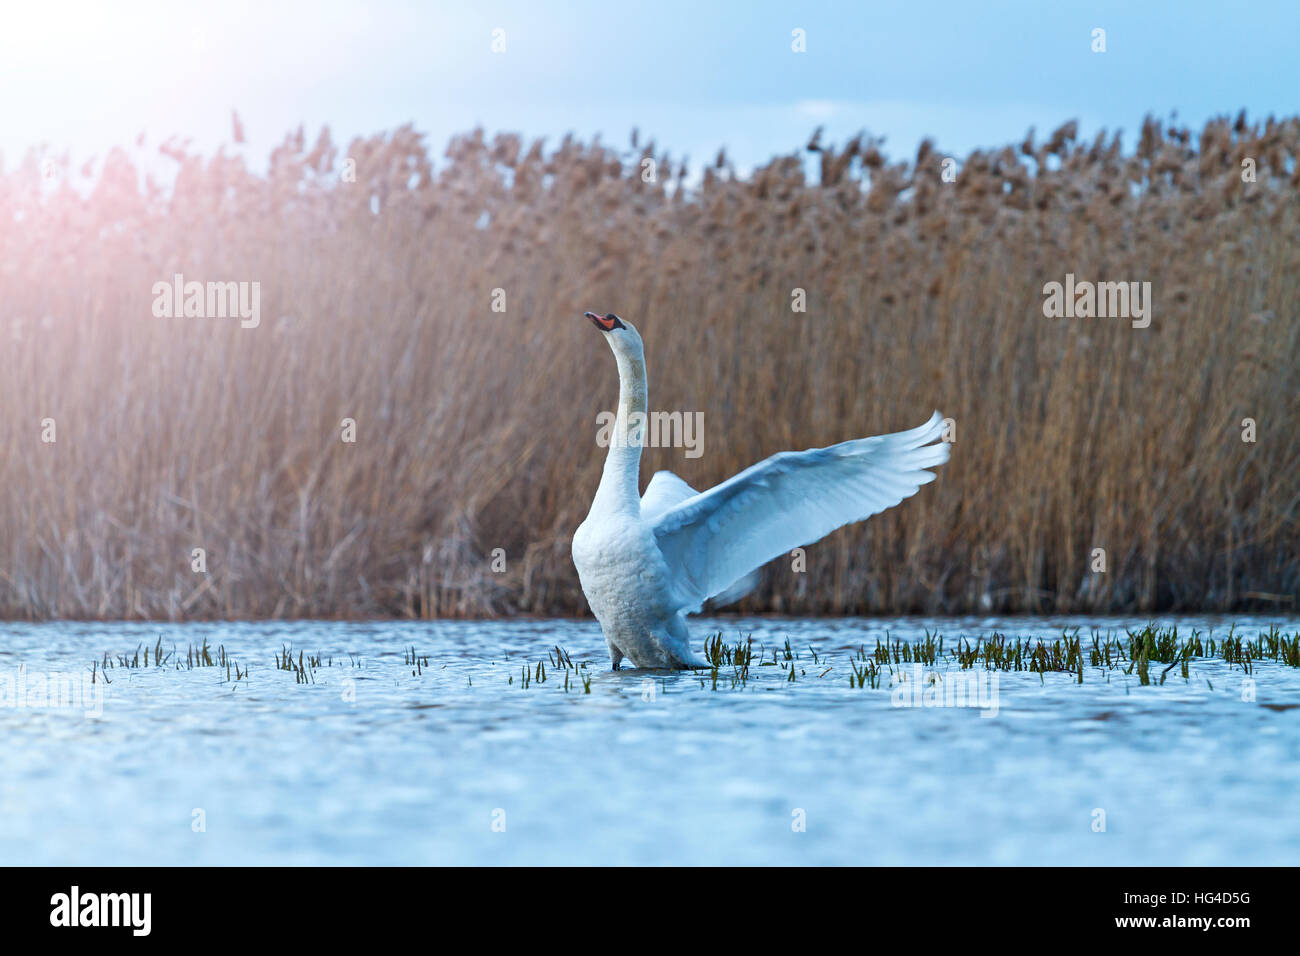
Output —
<point x="379" y="267"/>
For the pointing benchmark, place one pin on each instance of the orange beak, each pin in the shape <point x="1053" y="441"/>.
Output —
<point x="606" y="323"/>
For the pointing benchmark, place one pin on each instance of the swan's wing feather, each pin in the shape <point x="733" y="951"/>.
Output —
<point x="665" y="491"/>
<point x="735" y="591"/>
<point x="715" y="538"/>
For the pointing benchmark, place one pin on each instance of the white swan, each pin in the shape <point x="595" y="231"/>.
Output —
<point x="647" y="562"/>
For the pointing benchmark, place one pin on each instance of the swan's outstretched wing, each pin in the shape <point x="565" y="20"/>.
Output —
<point x="735" y="591"/>
<point x="665" y="492"/>
<point x="793" y="498"/>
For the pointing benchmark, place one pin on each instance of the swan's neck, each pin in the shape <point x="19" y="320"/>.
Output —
<point x="620" y="482"/>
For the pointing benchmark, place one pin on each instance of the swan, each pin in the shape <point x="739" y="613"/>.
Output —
<point x="646" y="561"/>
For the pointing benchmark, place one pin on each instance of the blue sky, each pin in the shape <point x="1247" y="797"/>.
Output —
<point x="692" y="75"/>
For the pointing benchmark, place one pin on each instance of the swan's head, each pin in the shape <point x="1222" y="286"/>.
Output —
<point x="623" y="339"/>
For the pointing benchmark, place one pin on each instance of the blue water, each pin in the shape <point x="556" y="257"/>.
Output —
<point x="375" y="764"/>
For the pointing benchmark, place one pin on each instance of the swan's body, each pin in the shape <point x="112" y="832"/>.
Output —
<point x="645" y="562"/>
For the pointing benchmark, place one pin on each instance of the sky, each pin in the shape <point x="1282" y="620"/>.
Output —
<point x="693" y="76"/>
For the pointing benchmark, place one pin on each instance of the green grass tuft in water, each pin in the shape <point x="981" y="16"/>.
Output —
<point x="729" y="666"/>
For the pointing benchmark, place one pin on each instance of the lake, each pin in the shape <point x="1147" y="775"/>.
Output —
<point x="467" y="753"/>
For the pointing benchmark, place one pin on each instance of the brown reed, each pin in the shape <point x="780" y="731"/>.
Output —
<point x="476" y="429"/>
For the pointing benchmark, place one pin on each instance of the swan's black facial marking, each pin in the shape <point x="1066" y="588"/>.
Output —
<point x="606" y="323"/>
